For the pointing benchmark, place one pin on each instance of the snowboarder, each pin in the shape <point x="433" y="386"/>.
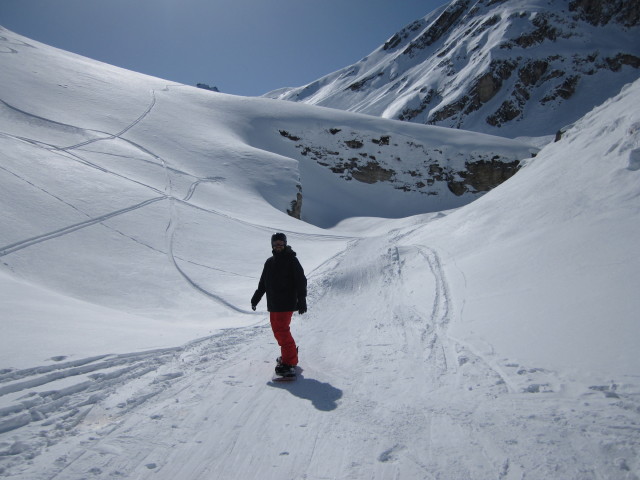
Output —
<point x="284" y="283"/>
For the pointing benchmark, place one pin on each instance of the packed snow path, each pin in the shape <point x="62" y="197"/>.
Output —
<point x="395" y="397"/>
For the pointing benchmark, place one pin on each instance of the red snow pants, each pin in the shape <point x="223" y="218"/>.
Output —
<point x="280" y="322"/>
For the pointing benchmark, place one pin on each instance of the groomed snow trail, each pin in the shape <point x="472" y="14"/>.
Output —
<point x="384" y="393"/>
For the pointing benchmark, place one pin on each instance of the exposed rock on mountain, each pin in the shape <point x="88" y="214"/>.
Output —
<point x="404" y="163"/>
<point x="510" y="68"/>
<point x="205" y="86"/>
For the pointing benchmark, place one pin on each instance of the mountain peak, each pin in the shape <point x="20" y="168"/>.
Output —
<point x="523" y="67"/>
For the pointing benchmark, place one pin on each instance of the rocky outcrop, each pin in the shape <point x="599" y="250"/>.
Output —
<point x="482" y="176"/>
<point x="602" y="12"/>
<point x="204" y="86"/>
<point x="371" y="172"/>
<point x="401" y="163"/>
<point x="439" y="28"/>
<point x="296" y="205"/>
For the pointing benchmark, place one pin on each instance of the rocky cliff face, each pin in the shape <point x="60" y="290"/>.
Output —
<point x="511" y="68"/>
<point x="402" y="163"/>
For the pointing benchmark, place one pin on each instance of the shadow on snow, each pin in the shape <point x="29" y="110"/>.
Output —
<point x="323" y="396"/>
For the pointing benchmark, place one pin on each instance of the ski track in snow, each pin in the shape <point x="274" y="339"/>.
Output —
<point x="46" y="405"/>
<point x="167" y="194"/>
<point x="71" y="152"/>
<point x="14" y="247"/>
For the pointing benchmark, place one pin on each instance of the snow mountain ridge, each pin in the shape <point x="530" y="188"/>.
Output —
<point x="494" y="340"/>
<point x="509" y="68"/>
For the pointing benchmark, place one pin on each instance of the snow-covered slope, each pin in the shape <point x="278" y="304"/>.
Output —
<point x="517" y="67"/>
<point x="133" y="167"/>
<point x="497" y="340"/>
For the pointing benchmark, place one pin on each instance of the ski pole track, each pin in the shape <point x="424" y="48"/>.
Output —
<point x="156" y="163"/>
<point x="92" y="221"/>
<point x="43" y="405"/>
<point x="526" y="395"/>
<point x="448" y="368"/>
<point x="64" y="151"/>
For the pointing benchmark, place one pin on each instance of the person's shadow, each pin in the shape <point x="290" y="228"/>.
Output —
<point x="323" y="396"/>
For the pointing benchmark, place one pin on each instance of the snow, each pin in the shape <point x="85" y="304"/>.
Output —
<point x="497" y="339"/>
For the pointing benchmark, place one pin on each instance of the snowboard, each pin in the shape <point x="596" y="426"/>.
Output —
<point x="280" y="378"/>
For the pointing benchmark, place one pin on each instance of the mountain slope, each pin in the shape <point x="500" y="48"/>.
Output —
<point x="523" y="67"/>
<point x="92" y="164"/>
<point x="497" y="340"/>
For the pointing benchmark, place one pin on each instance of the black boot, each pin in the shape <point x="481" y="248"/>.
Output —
<point x="284" y="370"/>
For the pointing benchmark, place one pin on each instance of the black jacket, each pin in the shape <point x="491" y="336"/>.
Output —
<point x="284" y="283"/>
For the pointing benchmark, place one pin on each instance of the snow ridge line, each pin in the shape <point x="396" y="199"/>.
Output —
<point x="267" y="228"/>
<point x="14" y="247"/>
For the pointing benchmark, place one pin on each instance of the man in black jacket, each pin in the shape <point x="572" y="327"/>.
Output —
<point x="284" y="283"/>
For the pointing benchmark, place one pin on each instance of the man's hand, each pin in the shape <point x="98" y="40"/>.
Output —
<point x="302" y="306"/>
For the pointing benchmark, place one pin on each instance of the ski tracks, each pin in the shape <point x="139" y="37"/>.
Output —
<point x="512" y="421"/>
<point x="457" y="379"/>
<point x="14" y="247"/>
<point x="43" y="406"/>
<point x="7" y="249"/>
<point x="71" y="153"/>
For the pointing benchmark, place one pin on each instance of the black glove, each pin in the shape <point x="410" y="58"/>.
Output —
<point x="255" y="300"/>
<point x="302" y="306"/>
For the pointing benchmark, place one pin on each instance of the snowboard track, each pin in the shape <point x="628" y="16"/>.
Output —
<point x="47" y="404"/>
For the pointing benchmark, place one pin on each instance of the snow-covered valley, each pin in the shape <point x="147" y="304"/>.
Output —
<point x="496" y="339"/>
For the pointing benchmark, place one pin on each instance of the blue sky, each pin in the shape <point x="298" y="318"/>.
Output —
<point x="244" y="47"/>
